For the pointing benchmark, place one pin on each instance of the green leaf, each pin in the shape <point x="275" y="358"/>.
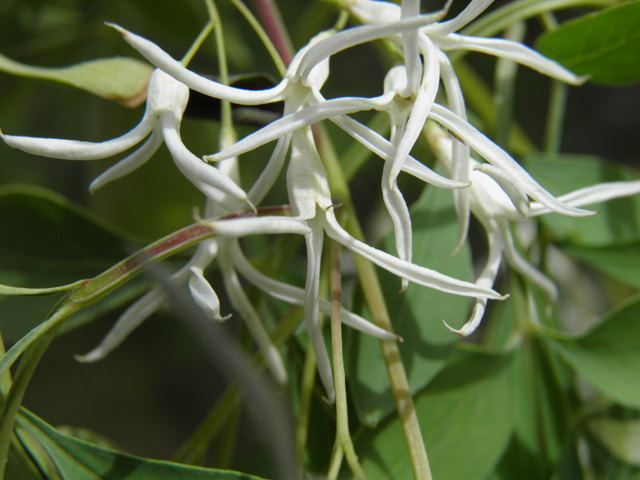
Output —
<point x="618" y="220"/>
<point x="76" y="459"/>
<point x="19" y="463"/>
<point x="608" y="356"/>
<point x="119" y="78"/>
<point x="466" y="421"/>
<point x="622" y="262"/>
<point x="542" y="415"/>
<point x="48" y="241"/>
<point x="621" y="437"/>
<point x="604" y="45"/>
<point x="417" y="314"/>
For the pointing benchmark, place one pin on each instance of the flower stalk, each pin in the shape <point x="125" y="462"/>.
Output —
<point x="374" y="297"/>
<point x="343" y="444"/>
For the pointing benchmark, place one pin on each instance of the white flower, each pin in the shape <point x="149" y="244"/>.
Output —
<point x="166" y="102"/>
<point x="304" y="105"/>
<point x="495" y="200"/>
<point x="385" y="20"/>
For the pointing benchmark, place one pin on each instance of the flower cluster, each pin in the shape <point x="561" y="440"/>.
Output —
<point x="496" y="191"/>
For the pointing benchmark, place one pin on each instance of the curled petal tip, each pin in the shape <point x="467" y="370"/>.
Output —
<point x="117" y="27"/>
<point x="504" y="297"/>
<point x="456" y="249"/>
<point x="209" y="158"/>
<point x="251" y="205"/>
<point x="330" y="400"/>
<point x="88" y="358"/>
<point x="582" y="80"/>
<point x="460" y="333"/>
<point x="399" y="339"/>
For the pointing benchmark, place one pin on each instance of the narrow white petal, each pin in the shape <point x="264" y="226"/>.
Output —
<point x="295" y="121"/>
<point x="399" y="212"/>
<point x="296" y="296"/>
<point x="311" y="306"/>
<point x="486" y="279"/>
<point x="524" y="268"/>
<point x="166" y="63"/>
<point x="205" y="296"/>
<point x="242" y="304"/>
<point x="420" y="275"/>
<point x="356" y="36"/>
<point x="411" y="8"/>
<point x="421" y="106"/>
<point x="590" y="195"/>
<point x="271" y="172"/>
<point x="496" y="156"/>
<point x="130" y="163"/>
<point x="460" y="153"/>
<point x="307" y="183"/>
<point x="386" y="150"/>
<point x="512" y="51"/>
<point x="241" y="227"/>
<point x="194" y="165"/>
<point x="475" y="8"/>
<point x="508" y="185"/>
<point x="78" y="150"/>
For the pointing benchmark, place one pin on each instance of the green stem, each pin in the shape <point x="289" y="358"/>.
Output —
<point x="195" y="46"/>
<point x="304" y="406"/>
<point x="227" y="133"/>
<point x="557" y="102"/>
<point x="343" y="441"/>
<point x="505" y="80"/>
<point x="264" y="38"/>
<point x="5" y="380"/>
<point x="27" y="366"/>
<point x="309" y="370"/>
<point x="374" y="297"/>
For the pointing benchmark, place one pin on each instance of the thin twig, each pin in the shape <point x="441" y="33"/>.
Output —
<point x="374" y="297"/>
<point x="343" y="443"/>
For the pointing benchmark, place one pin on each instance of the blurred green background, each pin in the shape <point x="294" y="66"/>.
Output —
<point x="150" y="393"/>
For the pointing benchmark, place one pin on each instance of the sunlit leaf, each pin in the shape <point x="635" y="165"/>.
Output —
<point x="466" y="418"/>
<point x="75" y="459"/>
<point x="541" y="417"/>
<point x="119" y="78"/>
<point x="608" y="356"/>
<point x="604" y="45"/>
<point x="417" y="314"/>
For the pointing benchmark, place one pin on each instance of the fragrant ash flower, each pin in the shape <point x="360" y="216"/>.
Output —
<point x="304" y="105"/>
<point x="497" y="199"/>
<point x="431" y="41"/>
<point x="166" y="102"/>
